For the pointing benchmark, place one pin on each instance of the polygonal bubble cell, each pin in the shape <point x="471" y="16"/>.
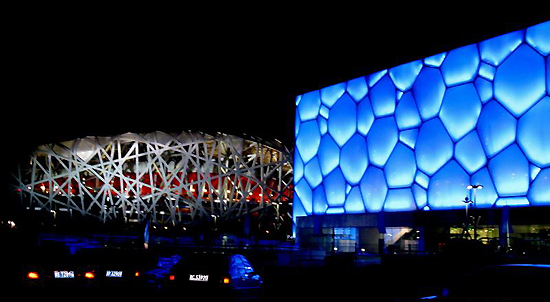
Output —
<point x="429" y="158"/>
<point x="354" y="159"/>
<point x="399" y="200"/>
<point x="354" y="202"/>
<point x="496" y="128"/>
<point x="406" y="114"/>
<point x="381" y="140"/>
<point x="408" y="137"/>
<point x="495" y="50"/>
<point x="469" y="153"/>
<point x="436" y="60"/>
<point x="373" y="188"/>
<point x="298" y="167"/>
<point x="309" y="105"/>
<point x="312" y="173"/>
<point x="539" y="194"/>
<point x="538" y="36"/>
<point x="420" y="196"/>
<point x="485" y="198"/>
<point x="342" y="120"/>
<point x="460" y="65"/>
<point x="365" y="116"/>
<point x="519" y="81"/>
<point x="335" y="188"/>
<point x="448" y="187"/>
<point x="460" y="110"/>
<point x="404" y="75"/>
<point x="297" y="209"/>
<point x="329" y="155"/>
<point x="304" y="192"/>
<point x="382" y="97"/>
<point x="308" y="140"/>
<point x="357" y="88"/>
<point x="401" y="167"/>
<point x="484" y="89"/>
<point x="510" y="171"/>
<point x="428" y="92"/>
<point x="534" y="133"/>
<point x="330" y="94"/>
<point x="319" y="201"/>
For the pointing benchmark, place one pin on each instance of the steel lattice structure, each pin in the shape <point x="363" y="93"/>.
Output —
<point x="173" y="178"/>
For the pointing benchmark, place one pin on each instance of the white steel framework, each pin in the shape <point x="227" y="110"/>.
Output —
<point x="172" y="178"/>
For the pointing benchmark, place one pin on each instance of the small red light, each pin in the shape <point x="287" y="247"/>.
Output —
<point x="89" y="275"/>
<point x="226" y="280"/>
<point x="172" y="277"/>
<point x="33" y="275"/>
<point x="136" y="274"/>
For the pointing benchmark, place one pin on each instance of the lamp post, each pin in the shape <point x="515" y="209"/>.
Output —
<point x="474" y="188"/>
<point x="467" y="203"/>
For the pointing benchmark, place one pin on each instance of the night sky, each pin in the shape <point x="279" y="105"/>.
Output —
<point x="235" y="75"/>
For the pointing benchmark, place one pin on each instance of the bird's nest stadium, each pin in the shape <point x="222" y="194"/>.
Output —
<point x="171" y="179"/>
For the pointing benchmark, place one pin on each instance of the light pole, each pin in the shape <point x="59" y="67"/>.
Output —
<point x="467" y="203"/>
<point x="474" y="188"/>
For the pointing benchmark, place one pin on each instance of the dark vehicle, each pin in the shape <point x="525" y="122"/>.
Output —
<point x="211" y="275"/>
<point x="510" y="282"/>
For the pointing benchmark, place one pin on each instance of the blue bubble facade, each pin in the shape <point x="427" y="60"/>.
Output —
<point x="413" y="137"/>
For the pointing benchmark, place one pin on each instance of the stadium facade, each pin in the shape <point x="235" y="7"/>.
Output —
<point x="170" y="179"/>
<point x="397" y="158"/>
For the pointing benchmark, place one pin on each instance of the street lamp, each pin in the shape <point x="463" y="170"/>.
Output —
<point x="474" y="188"/>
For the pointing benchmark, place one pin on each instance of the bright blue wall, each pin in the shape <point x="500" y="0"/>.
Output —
<point x="414" y="136"/>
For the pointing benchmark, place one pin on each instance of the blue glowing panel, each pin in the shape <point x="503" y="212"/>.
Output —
<point x="399" y="200"/>
<point x="539" y="194"/>
<point x="420" y="196"/>
<point x="538" y="36"/>
<point x="374" y="189"/>
<point x="460" y="65"/>
<point x="342" y="120"/>
<point x="357" y="88"/>
<point x="469" y="153"/>
<point x="404" y="75"/>
<point x="487" y="71"/>
<point x="496" y="128"/>
<point x="297" y="123"/>
<point x="510" y="172"/>
<point x="534" y="133"/>
<point x="495" y="50"/>
<point x="329" y="155"/>
<point x="484" y="89"/>
<point x="447" y="187"/>
<point x="309" y="105"/>
<point x="428" y="157"/>
<point x="401" y="167"/>
<point x="331" y="94"/>
<point x="428" y="92"/>
<point x="319" y="201"/>
<point x="312" y="173"/>
<point x="354" y="159"/>
<point x="381" y="140"/>
<point x="408" y="137"/>
<point x="435" y="61"/>
<point x="512" y="201"/>
<point x="308" y="139"/>
<point x="335" y="188"/>
<point x="365" y="116"/>
<point x="382" y="97"/>
<point x="375" y="77"/>
<point x="324" y="111"/>
<point x="304" y="192"/>
<point x="519" y="81"/>
<point x="323" y="125"/>
<point x="460" y="110"/>
<point x="336" y="210"/>
<point x="354" y="202"/>
<point x="548" y="73"/>
<point x="297" y="208"/>
<point x="298" y="167"/>
<point x="406" y="114"/>
<point x="533" y="171"/>
<point x="486" y="197"/>
<point x="422" y="179"/>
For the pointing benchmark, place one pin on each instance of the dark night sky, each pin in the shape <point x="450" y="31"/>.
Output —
<point x="233" y="75"/>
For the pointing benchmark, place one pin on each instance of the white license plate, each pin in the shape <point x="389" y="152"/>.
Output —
<point x="200" y="278"/>
<point x="114" y="274"/>
<point x="63" y="274"/>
